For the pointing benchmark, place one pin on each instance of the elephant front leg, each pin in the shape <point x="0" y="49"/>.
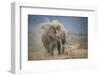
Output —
<point x="51" y="50"/>
<point x="63" y="50"/>
<point x="59" y="47"/>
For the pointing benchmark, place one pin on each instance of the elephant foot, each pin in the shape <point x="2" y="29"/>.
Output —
<point x="51" y="53"/>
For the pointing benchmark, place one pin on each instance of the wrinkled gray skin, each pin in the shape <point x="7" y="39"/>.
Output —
<point x="52" y="38"/>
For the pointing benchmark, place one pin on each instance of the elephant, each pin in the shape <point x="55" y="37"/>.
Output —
<point x="54" y="37"/>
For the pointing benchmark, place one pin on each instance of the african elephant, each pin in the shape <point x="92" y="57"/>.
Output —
<point x="54" y="37"/>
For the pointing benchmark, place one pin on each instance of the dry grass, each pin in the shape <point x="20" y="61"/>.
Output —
<point x="79" y="53"/>
<point x="74" y="51"/>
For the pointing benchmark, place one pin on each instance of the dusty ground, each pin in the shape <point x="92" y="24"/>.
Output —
<point x="72" y="52"/>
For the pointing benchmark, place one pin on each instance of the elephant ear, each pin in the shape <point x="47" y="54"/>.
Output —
<point x="45" y="26"/>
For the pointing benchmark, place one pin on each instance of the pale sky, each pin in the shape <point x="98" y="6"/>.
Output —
<point x="71" y="23"/>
